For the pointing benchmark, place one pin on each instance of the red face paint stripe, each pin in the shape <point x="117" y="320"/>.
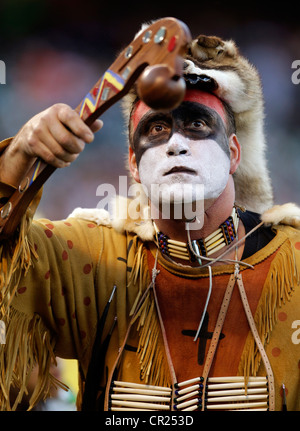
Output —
<point x="197" y="96"/>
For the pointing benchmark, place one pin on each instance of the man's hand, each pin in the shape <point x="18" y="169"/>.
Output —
<point x="57" y="135"/>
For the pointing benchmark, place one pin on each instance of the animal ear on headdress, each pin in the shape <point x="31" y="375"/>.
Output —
<point x="211" y="47"/>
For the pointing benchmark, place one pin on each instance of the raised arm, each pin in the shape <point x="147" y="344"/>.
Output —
<point x="56" y="135"/>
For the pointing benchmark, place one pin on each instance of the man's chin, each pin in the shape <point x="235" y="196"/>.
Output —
<point x="176" y="193"/>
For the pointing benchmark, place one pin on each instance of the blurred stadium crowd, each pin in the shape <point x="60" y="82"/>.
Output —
<point x="55" y="51"/>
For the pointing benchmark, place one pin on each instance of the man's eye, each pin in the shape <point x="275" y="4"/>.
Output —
<point x="157" y="128"/>
<point x="198" y="124"/>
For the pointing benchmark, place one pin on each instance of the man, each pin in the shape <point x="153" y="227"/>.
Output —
<point x="154" y="309"/>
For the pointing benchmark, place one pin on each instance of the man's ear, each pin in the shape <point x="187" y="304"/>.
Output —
<point x="235" y="153"/>
<point x="133" y="165"/>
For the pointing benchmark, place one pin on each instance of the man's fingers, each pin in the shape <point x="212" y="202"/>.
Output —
<point x="56" y="135"/>
<point x="66" y="139"/>
<point x="72" y="120"/>
<point x="96" y="126"/>
<point x="54" y="154"/>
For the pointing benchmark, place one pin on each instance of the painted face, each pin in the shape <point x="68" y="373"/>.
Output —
<point x="186" y="146"/>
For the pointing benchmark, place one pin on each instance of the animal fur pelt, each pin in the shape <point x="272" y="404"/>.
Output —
<point x="237" y="82"/>
<point x="287" y="214"/>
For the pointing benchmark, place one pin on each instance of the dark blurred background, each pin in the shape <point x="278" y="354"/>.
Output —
<point x="55" y="51"/>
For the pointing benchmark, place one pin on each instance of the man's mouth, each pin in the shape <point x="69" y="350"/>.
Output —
<point x="180" y="169"/>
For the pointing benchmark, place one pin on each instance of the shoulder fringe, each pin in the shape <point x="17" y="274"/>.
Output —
<point x="282" y="279"/>
<point x="28" y="345"/>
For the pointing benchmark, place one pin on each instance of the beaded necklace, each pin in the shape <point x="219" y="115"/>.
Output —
<point x="224" y="235"/>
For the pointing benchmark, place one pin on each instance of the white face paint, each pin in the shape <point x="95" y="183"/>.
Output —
<point x="170" y="167"/>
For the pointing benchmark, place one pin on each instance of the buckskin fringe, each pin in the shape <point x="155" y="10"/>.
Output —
<point x="15" y="256"/>
<point x="139" y="274"/>
<point x="28" y="345"/>
<point x="281" y="281"/>
<point x="151" y="353"/>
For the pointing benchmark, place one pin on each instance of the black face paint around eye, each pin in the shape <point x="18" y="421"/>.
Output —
<point x="192" y="120"/>
<point x="141" y="140"/>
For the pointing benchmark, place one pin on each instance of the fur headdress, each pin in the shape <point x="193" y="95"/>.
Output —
<point x="217" y="65"/>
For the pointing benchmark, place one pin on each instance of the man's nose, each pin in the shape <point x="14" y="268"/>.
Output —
<point x="177" y="145"/>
